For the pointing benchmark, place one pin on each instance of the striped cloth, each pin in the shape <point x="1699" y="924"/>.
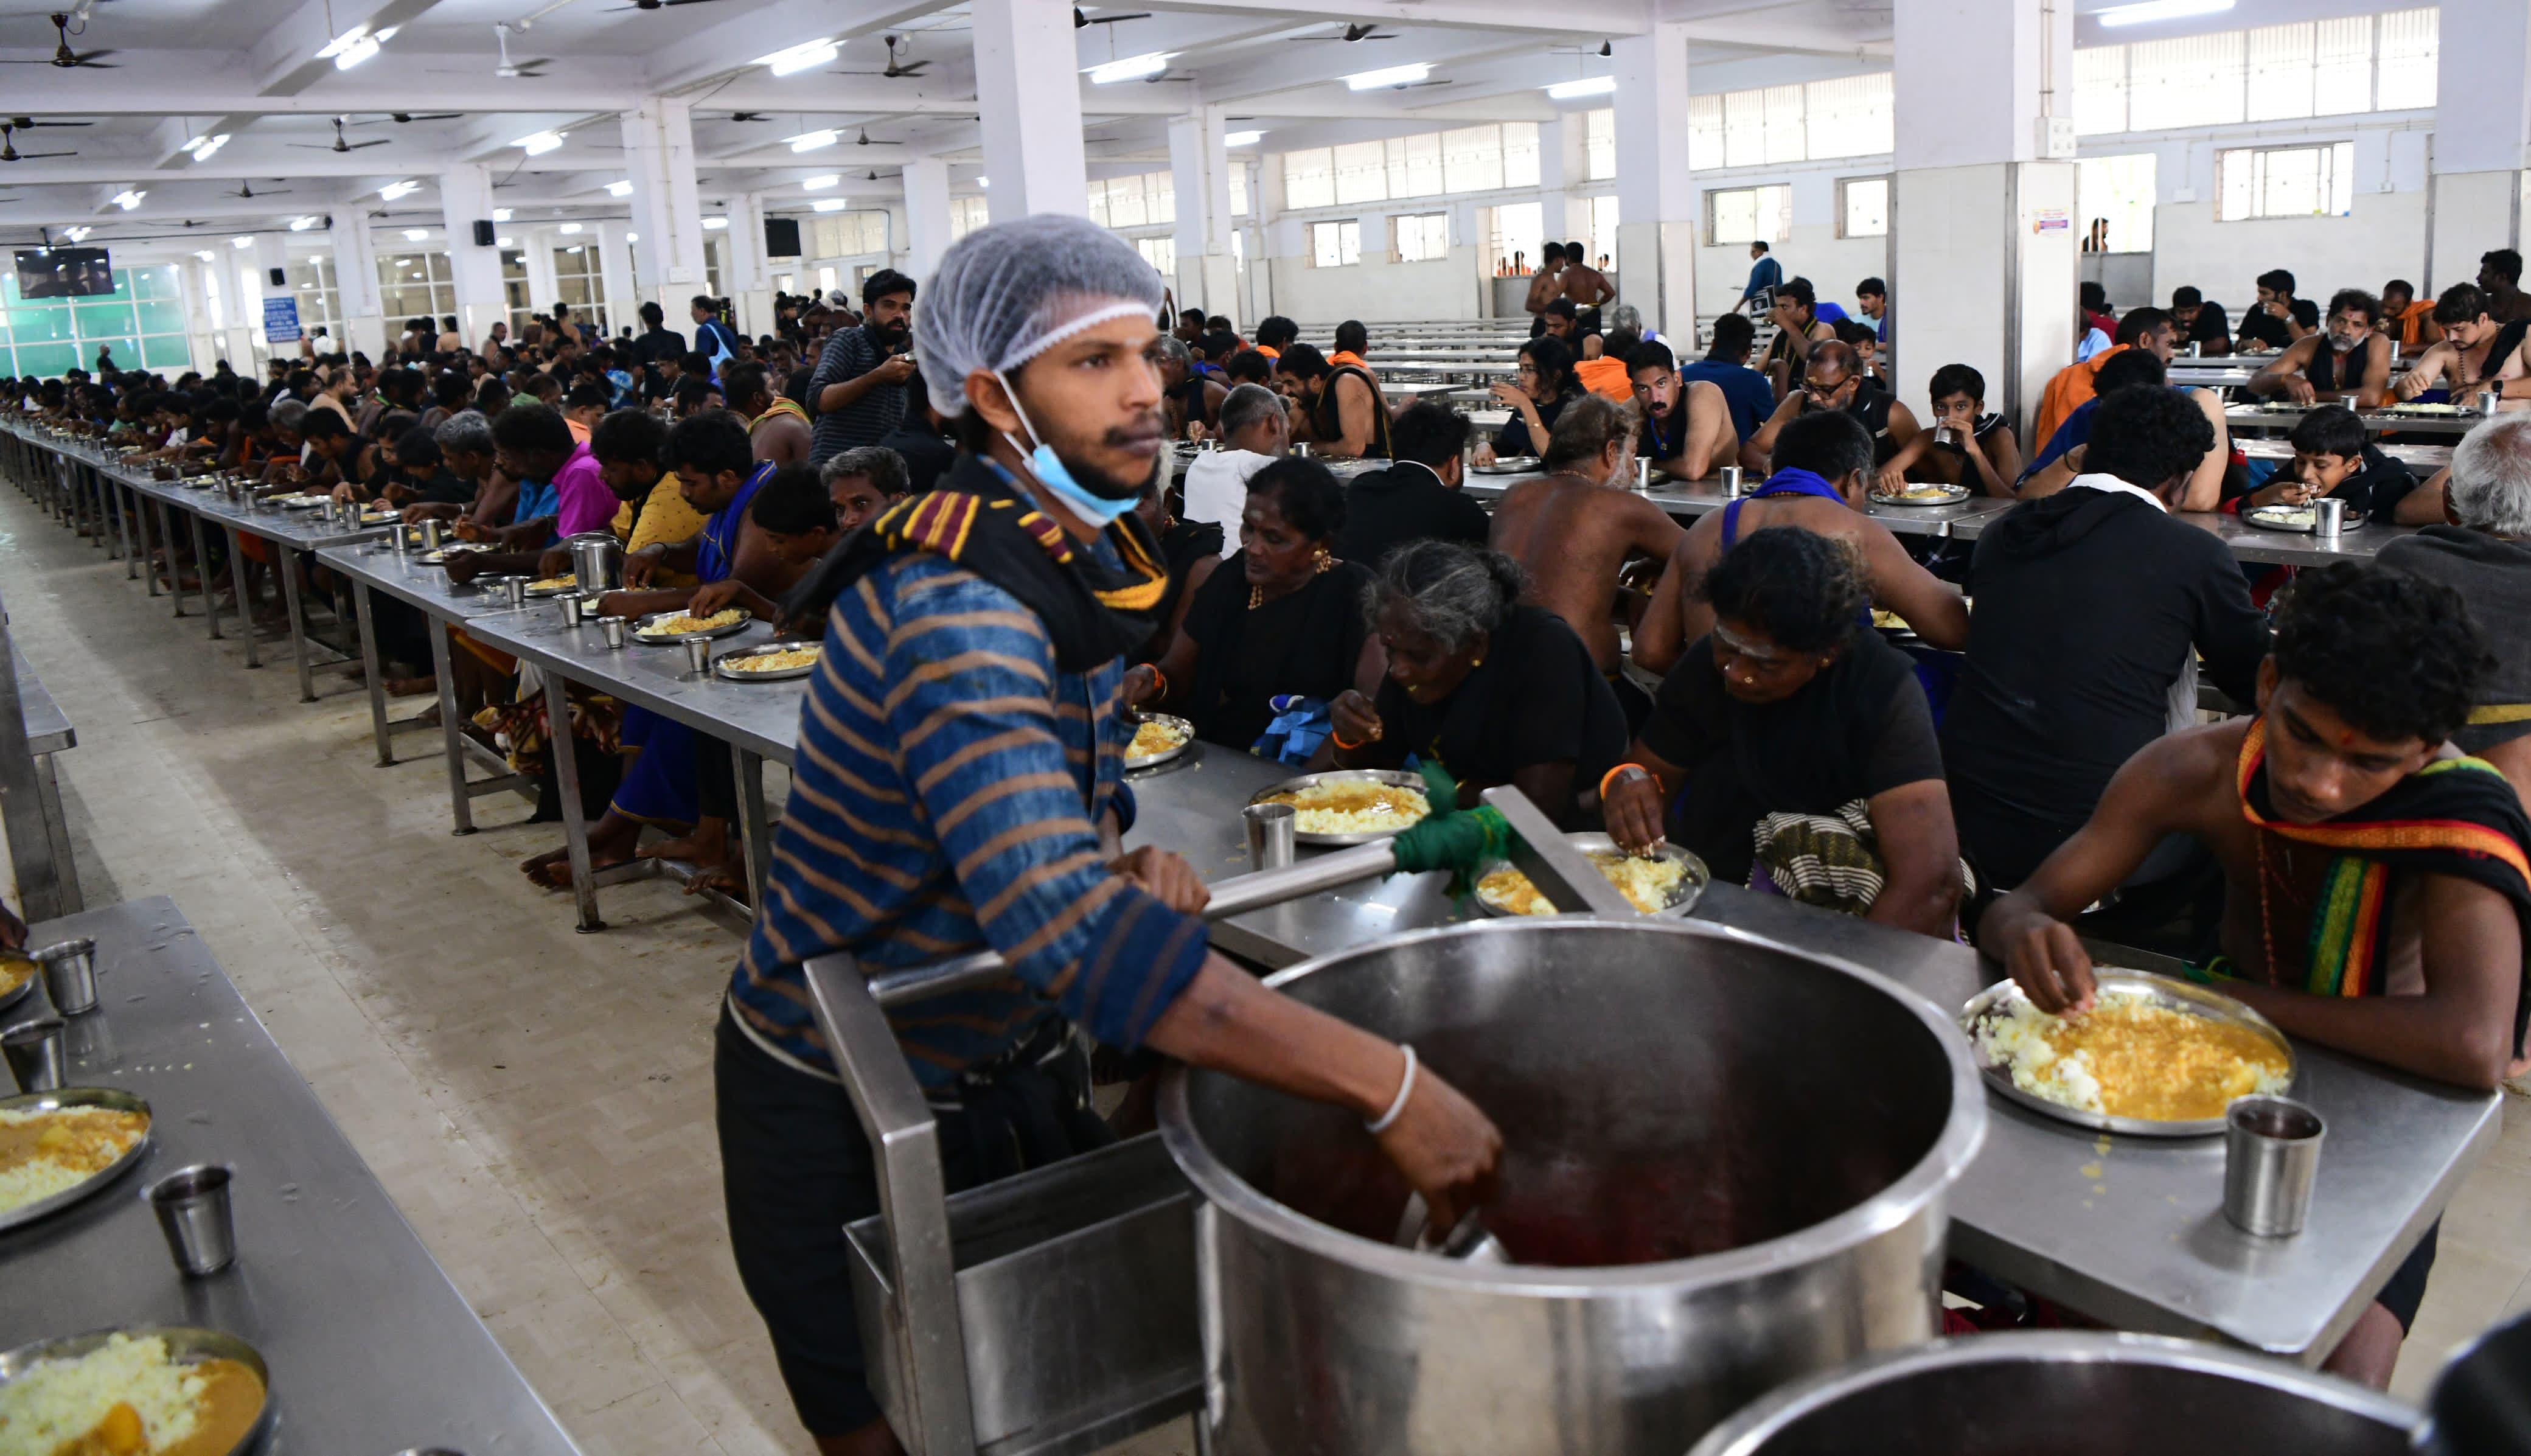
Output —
<point x="947" y="783"/>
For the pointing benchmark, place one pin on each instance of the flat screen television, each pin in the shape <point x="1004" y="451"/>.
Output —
<point x="64" y="272"/>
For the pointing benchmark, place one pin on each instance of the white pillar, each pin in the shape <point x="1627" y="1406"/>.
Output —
<point x="2483" y="87"/>
<point x="744" y="274"/>
<point x="1974" y="200"/>
<point x="926" y="216"/>
<point x="543" y="289"/>
<point x="1029" y="97"/>
<point x="667" y="210"/>
<point x="615" y="275"/>
<point x="1199" y="172"/>
<point x="1656" y="195"/>
<point x="466" y="198"/>
<point x="362" y="326"/>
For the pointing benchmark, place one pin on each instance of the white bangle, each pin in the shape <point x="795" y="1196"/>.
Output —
<point x="1405" y="1089"/>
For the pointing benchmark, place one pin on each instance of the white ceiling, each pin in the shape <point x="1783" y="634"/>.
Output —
<point x="180" y="69"/>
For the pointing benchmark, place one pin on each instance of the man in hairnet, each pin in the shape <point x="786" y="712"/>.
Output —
<point x="958" y="787"/>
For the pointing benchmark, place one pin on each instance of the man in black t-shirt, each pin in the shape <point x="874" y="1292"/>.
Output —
<point x="2089" y="609"/>
<point x="2200" y="321"/>
<point x="658" y="343"/>
<point x="2280" y="318"/>
<point x="1418" y="498"/>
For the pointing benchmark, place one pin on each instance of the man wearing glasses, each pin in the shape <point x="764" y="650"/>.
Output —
<point x="1833" y="379"/>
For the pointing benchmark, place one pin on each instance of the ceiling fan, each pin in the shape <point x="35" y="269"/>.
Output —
<point x="29" y="123"/>
<point x="402" y="117"/>
<point x="895" y="68"/>
<point x="65" y="57"/>
<point x="9" y="151"/>
<point x="651" y="5"/>
<point x="339" y="143"/>
<point x="1352" y="33"/>
<point x="749" y="116"/>
<point x="510" y="70"/>
<point x="246" y="189"/>
<point x="1080" y="19"/>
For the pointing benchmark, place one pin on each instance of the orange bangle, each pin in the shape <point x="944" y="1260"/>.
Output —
<point x="1160" y="681"/>
<point x="1620" y="768"/>
<point x="1339" y="740"/>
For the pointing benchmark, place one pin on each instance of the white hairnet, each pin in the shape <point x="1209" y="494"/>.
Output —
<point x="1006" y="293"/>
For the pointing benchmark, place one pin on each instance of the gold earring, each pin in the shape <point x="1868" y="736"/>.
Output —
<point x="1321" y="560"/>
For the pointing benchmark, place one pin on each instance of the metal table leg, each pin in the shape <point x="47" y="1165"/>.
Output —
<point x="123" y="527"/>
<point x="203" y="576"/>
<point x="575" y="825"/>
<point x="245" y="599"/>
<point x="286" y="565"/>
<point x="461" y="803"/>
<point x="140" y="510"/>
<point x="754" y="834"/>
<point x="369" y="670"/>
<point x="57" y="829"/>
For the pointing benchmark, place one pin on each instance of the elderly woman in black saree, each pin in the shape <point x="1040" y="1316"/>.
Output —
<point x="1493" y="689"/>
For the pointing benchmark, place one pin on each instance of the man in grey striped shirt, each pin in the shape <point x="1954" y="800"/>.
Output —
<point x="855" y="391"/>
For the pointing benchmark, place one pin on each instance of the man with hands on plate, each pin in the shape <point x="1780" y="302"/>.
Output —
<point x="2375" y="877"/>
<point x="718" y="473"/>
<point x="2346" y="358"/>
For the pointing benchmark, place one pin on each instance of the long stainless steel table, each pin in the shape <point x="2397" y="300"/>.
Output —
<point x="372" y="1349"/>
<point x="49" y="732"/>
<point x="757" y="720"/>
<point x="1691" y="500"/>
<point x="287" y="531"/>
<point x="371" y="566"/>
<point x="2377" y="422"/>
<point x="2129" y="1230"/>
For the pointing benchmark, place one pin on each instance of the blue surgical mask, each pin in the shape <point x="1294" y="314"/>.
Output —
<point x="1051" y="473"/>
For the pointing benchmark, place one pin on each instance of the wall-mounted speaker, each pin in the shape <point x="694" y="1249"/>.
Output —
<point x="483" y="232"/>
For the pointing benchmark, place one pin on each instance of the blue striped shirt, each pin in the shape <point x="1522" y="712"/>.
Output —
<point x="944" y="798"/>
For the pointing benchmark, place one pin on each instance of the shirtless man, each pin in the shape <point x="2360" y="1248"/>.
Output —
<point x="2462" y="360"/>
<point x="1823" y="468"/>
<point x="1832" y="379"/>
<point x="1543" y="285"/>
<point x="1687" y="428"/>
<point x="2346" y="360"/>
<point x="2372" y="669"/>
<point x="1587" y="286"/>
<point x="777" y="428"/>
<point x="1575" y="529"/>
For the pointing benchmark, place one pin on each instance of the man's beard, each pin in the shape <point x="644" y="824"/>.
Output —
<point x="1101" y="483"/>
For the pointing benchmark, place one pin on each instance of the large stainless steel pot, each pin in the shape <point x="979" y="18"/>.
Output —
<point x="597" y="561"/>
<point x="1739" y="1153"/>
<point x="2067" y="1393"/>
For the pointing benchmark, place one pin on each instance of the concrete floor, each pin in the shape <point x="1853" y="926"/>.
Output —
<point x="538" y="1101"/>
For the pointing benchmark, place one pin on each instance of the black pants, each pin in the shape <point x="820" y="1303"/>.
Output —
<point x="715" y="779"/>
<point x="795" y="1169"/>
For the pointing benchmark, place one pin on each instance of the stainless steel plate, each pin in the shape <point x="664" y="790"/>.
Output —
<point x="2165" y="993"/>
<point x="1950" y="495"/>
<point x="455" y="549"/>
<point x="1691" y="888"/>
<point x="1154" y="761"/>
<point x="2272" y="517"/>
<point x="722" y="668"/>
<point x="303" y="502"/>
<point x="24" y="988"/>
<point x="567" y="587"/>
<point x="380" y="518"/>
<point x="185" y="1344"/>
<point x="1396" y="776"/>
<point x="75" y="1096"/>
<point x="646" y="629"/>
<point x="1511" y="465"/>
